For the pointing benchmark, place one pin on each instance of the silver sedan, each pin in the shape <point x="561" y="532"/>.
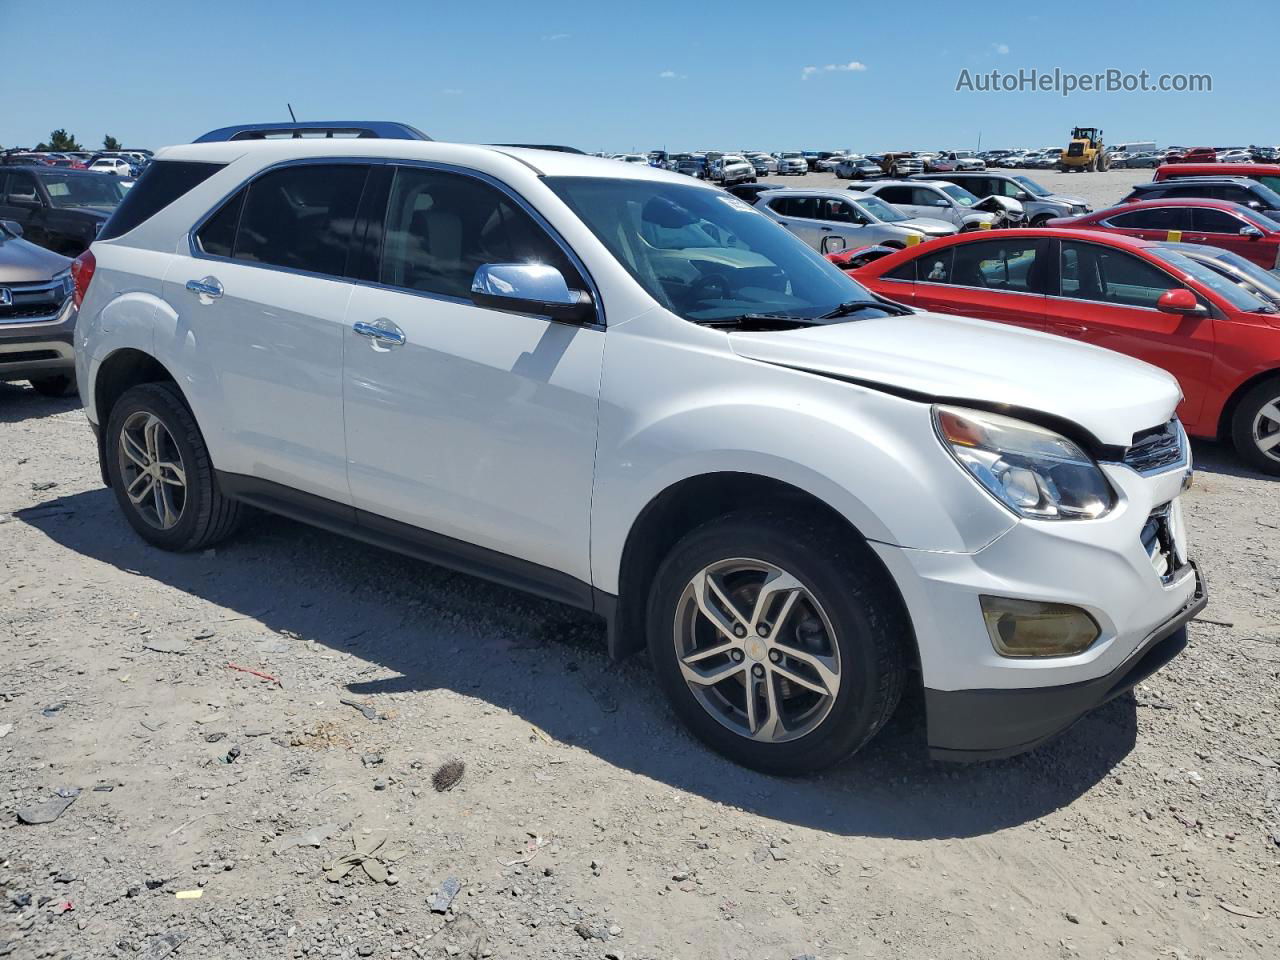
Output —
<point x="835" y="220"/>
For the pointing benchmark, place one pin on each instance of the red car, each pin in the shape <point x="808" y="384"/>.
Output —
<point x="1137" y="297"/>
<point x="1195" y="155"/>
<point x="1265" y="173"/>
<point x="1218" y="223"/>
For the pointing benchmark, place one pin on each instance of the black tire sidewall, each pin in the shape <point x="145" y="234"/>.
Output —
<point x="162" y="401"/>
<point x="844" y="579"/>
<point x="1254" y="400"/>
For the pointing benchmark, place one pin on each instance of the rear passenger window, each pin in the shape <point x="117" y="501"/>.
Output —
<point x="999" y="265"/>
<point x="163" y="182"/>
<point x="934" y="267"/>
<point x="442" y="227"/>
<point x="299" y="217"/>
<point x="218" y="235"/>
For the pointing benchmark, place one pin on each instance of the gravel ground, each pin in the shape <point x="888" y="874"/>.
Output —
<point x="585" y="824"/>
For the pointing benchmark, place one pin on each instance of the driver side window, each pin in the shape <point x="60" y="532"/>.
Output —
<point x="441" y="227"/>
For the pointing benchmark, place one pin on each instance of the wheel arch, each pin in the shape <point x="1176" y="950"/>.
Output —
<point x="119" y="371"/>
<point x="687" y="504"/>
<point x="1229" y="407"/>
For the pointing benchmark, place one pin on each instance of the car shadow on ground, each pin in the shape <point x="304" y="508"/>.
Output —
<point x="1209" y="456"/>
<point x="19" y="402"/>
<point x="422" y="627"/>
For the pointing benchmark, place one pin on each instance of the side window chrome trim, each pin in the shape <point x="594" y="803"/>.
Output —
<point x="197" y="253"/>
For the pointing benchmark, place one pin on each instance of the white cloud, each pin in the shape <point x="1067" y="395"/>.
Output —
<point x="1000" y="47"/>
<point x="451" y="91"/>
<point x="853" y="66"/>
<point x="557" y="36"/>
<point x="671" y="75"/>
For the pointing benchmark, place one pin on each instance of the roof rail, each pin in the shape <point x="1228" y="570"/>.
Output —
<point x="367" y="129"/>
<point x="540" y="146"/>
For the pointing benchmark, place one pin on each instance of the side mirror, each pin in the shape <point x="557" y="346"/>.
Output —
<point x="833" y="244"/>
<point x="1253" y="233"/>
<point x="532" y="288"/>
<point x="1021" y="196"/>
<point x="1179" y="300"/>
<point x="1254" y="205"/>
<point x="12" y="226"/>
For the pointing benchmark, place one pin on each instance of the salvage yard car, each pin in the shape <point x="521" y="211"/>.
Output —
<point x="834" y="220"/>
<point x="942" y="200"/>
<point x="799" y="496"/>
<point x="1231" y="226"/>
<point x="1038" y="204"/>
<point x="61" y="210"/>
<point x="36" y="314"/>
<point x="1149" y="300"/>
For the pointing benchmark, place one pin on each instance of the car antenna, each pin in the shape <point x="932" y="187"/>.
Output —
<point x="291" y="116"/>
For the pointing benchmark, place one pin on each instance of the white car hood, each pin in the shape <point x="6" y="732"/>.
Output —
<point x="958" y="358"/>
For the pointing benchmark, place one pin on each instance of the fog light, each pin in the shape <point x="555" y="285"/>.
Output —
<point x="1029" y="628"/>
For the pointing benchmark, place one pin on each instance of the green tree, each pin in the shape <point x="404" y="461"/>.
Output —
<point x="110" y="143"/>
<point x="60" y="140"/>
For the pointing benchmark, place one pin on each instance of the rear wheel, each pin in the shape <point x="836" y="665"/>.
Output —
<point x="161" y="471"/>
<point x="780" y="644"/>
<point x="1255" y="426"/>
<point x="60" y="385"/>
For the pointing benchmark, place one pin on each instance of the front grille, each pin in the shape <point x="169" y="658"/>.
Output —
<point x="17" y="313"/>
<point x="32" y="301"/>
<point x="1157" y="448"/>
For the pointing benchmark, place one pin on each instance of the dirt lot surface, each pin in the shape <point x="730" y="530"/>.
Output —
<point x="291" y="812"/>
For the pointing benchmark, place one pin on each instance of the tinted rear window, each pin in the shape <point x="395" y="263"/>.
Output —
<point x="162" y="183"/>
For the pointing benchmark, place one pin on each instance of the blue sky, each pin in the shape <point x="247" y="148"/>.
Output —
<point x="639" y="74"/>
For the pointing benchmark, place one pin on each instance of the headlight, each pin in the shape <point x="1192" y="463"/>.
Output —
<point x="1035" y="472"/>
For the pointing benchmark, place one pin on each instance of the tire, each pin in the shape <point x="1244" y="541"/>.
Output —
<point x="204" y="515"/>
<point x="1256" y="420"/>
<point x="1041" y="220"/>
<point x="59" y="385"/>
<point x="842" y="616"/>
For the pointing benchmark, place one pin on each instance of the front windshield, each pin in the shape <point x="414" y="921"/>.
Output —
<point x="704" y="254"/>
<point x="881" y="210"/>
<point x="1229" y="290"/>
<point x="792" y="156"/>
<point x="1234" y="266"/>
<point x="960" y="195"/>
<point x="1033" y="188"/>
<point x="86" y="191"/>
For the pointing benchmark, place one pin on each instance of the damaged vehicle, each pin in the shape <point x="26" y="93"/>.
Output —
<point x="833" y="220"/>
<point x="627" y="391"/>
<point x="942" y="200"/>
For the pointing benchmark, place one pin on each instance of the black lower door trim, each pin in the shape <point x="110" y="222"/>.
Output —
<point x="410" y="540"/>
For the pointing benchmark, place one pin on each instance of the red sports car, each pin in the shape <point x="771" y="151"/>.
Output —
<point x="1218" y="223"/>
<point x="1138" y="297"/>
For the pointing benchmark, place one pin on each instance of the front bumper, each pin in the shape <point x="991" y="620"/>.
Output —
<point x="38" y="348"/>
<point x="989" y="724"/>
<point x="1138" y="586"/>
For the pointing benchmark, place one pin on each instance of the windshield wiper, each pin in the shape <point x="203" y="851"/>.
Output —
<point x="759" y="321"/>
<point x="857" y="306"/>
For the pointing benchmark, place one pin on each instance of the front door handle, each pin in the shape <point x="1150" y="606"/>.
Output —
<point x="382" y="332"/>
<point x="207" y="288"/>
<point x="1070" y="329"/>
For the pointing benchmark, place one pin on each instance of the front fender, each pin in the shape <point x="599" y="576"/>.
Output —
<point x="870" y="456"/>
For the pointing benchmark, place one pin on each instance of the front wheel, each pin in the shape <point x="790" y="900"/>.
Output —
<point x="161" y="471"/>
<point x="780" y="644"/>
<point x="1255" y="427"/>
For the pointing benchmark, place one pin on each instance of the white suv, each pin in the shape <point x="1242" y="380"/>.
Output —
<point x="628" y="391"/>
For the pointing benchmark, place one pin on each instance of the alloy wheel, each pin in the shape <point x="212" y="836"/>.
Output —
<point x="757" y="650"/>
<point x="151" y="466"/>
<point x="1266" y="430"/>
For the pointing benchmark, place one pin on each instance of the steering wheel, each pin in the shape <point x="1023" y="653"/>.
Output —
<point x="710" y="286"/>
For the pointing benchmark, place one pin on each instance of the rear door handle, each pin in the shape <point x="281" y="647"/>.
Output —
<point x="382" y="332"/>
<point x="1073" y="329"/>
<point x="207" y="287"/>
